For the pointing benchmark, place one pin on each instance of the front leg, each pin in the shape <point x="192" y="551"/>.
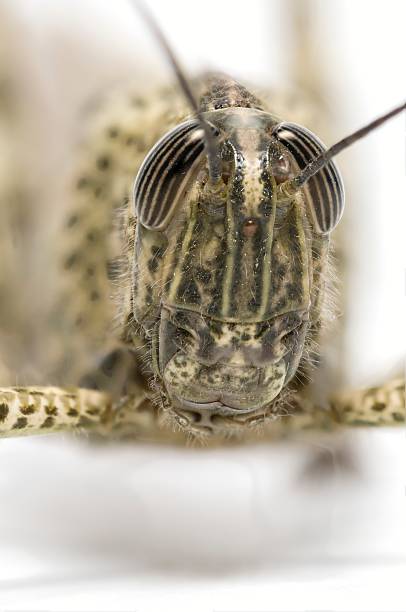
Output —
<point x="373" y="406"/>
<point x="42" y="410"/>
<point x="36" y="410"/>
<point x="112" y="401"/>
<point x="382" y="406"/>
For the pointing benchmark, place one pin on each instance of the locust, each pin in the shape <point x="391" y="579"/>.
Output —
<point x="198" y="251"/>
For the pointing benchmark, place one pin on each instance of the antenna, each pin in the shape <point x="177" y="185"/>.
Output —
<point x="290" y="187"/>
<point x="212" y="150"/>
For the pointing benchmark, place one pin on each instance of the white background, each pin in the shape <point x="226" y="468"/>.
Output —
<point x="85" y="528"/>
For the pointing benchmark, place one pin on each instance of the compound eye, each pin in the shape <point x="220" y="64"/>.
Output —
<point x="166" y="173"/>
<point x="324" y="192"/>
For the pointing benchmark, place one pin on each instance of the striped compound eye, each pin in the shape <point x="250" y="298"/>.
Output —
<point x="166" y="172"/>
<point x="324" y="192"/>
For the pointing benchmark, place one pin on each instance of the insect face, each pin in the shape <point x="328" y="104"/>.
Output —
<point x="225" y="279"/>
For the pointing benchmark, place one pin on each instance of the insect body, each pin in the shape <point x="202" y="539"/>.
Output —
<point x="220" y="271"/>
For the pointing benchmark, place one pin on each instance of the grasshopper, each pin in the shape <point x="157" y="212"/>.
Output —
<point x="209" y="218"/>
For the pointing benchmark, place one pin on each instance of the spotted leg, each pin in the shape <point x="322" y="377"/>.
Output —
<point x="42" y="410"/>
<point x="111" y="401"/>
<point x="383" y="405"/>
<point x="369" y="407"/>
<point x="36" y="410"/>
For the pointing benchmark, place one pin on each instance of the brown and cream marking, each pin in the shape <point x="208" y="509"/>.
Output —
<point x="220" y="288"/>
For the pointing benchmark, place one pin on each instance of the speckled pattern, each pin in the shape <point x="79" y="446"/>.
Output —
<point x="39" y="410"/>
<point x="206" y="328"/>
<point x="384" y="405"/>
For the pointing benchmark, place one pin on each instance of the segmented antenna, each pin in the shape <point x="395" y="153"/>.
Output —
<point x="212" y="150"/>
<point x="290" y="187"/>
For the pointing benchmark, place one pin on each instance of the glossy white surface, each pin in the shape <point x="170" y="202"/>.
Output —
<point x="87" y="528"/>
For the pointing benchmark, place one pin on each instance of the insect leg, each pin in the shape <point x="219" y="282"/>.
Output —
<point x="42" y="410"/>
<point x="373" y="406"/>
<point x="36" y="410"/>
<point x="383" y="405"/>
